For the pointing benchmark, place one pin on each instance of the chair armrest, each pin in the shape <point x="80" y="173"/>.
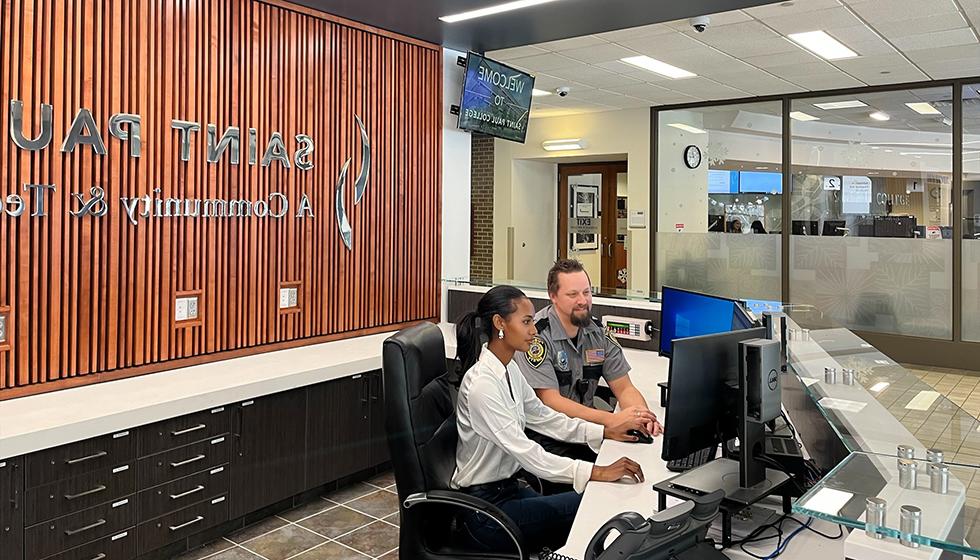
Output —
<point x="479" y="505"/>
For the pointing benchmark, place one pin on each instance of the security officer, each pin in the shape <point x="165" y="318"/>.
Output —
<point x="571" y="353"/>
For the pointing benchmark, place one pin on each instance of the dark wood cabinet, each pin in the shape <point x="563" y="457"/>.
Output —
<point x="269" y="451"/>
<point x="379" y="438"/>
<point x="339" y="427"/>
<point x="12" y="508"/>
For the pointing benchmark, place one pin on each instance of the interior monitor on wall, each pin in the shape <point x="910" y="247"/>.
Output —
<point x="496" y="99"/>
<point x="721" y="181"/>
<point x="760" y="182"/>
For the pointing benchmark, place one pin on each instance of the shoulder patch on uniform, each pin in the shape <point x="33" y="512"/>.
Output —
<point x="611" y="336"/>
<point x="542" y="324"/>
<point x="537" y="353"/>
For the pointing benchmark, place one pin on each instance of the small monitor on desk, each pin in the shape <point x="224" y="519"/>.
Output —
<point x="685" y="313"/>
<point x="805" y="227"/>
<point x="833" y="228"/>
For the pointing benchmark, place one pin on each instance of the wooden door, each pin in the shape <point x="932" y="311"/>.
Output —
<point x="269" y="459"/>
<point x="605" y="242"/>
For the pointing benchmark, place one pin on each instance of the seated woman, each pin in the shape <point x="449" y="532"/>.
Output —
<point x="757" y="227"/>
<point x="495" y="405"/>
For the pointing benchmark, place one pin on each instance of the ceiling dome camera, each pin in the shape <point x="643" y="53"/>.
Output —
<point x="563" y="91"/>
<point x="700" y="23"/>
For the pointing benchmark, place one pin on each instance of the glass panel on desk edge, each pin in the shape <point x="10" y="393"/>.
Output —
<point x="933" y="420"/>
<point x="840" y="498"/>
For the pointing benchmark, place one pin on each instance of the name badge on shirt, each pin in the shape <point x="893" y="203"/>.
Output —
<point x="595" y="356"/>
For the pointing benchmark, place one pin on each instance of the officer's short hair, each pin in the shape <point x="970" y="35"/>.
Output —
<point x="562" y="266"/>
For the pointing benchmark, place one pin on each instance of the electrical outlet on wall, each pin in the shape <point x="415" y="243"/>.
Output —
<point x="186" y="308"/>
<point x="3" y="328"/>
<point x="288" y="298"/>
<point x="293" y="295"/>
<point x="180" y="310"/>
<point x="192" y="308"/>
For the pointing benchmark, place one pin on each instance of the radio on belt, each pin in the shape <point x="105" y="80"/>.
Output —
<point x="629" y="328"/>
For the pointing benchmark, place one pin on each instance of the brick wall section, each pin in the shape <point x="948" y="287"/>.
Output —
<point x="481" y="206"/>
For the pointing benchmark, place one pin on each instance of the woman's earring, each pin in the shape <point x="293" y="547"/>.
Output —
<point x="500" y="334"/>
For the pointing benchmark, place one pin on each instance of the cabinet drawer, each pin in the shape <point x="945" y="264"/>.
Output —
<point x="68" y="461"/>
<point x="181" y="524"/>
<point x="53" y="537"/>
<point x="75" y="494"/>
<point x="183" y="461"/>
<point x="182" y="430"/>
<point x="119" y="546"/>
<point x="183" y="492"/>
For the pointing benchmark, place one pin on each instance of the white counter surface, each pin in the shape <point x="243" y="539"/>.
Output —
<point x="37" y="422"/>
<point x="543" y="294"/>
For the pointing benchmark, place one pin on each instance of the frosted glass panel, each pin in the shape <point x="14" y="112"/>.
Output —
<point x="724" y="264"/>
<point x="971" y="290"/>
<point x="901" y="286"/>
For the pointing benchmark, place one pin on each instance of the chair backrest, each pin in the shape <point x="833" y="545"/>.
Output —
<point x="420" y="412"/>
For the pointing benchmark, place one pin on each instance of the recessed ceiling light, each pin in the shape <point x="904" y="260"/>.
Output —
<point x="658" y="67"/>
<point x="687" y="128"/>
<point x="840" y="104"/>
<point x="875" y="148"/>
<point x="801" y="116"/>
<point x="490" y="10"/>
<point x="889" y="151"/>
<point x="822" y="45"/>
<point x="949" y="122"/>
<point x="539" y="92"/>
<point x="880" y="116"/>
<point x="762" y="167"/>
<point x="923" y="108"/>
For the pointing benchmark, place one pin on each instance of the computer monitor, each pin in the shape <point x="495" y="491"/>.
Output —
<point x="805" y="227"/>
<point x="716" y="222"/>
<point x="685" y="313"/>
<point x="895" y="226"/>
<point x="703" y="406"/>
<point x="833" y="228"/>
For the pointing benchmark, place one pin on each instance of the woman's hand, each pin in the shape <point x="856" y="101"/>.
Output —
<point x="616" y="471"/>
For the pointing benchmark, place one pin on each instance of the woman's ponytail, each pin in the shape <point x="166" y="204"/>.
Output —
<point x="468" y="341"/>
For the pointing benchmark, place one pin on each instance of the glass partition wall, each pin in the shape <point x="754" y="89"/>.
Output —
<point x="971" y="212"/>
<point x="871" y="231"/>
<point x="719" y="199"/>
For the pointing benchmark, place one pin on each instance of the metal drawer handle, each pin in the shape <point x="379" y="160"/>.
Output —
<point x="87" y="458"/>
<point x="100" y="556"/>
<point x="95" y="490"/>
<point x="188" y="461"/>
<point x="197" y="519"/>
<point x="189" y="430"/>
<point x="72" y="532"/>
<point x="188" y="493"/>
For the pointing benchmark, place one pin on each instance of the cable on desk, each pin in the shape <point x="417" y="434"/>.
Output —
<point x="781" y="543"/>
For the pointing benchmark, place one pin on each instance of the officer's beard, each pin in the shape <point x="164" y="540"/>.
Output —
<point x="581" y="318"/>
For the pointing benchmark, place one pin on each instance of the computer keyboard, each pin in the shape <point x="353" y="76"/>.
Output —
<point x="693" y="460"/>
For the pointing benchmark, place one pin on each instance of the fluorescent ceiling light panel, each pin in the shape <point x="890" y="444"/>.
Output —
<point x="879" y="387"/>
<point x="880" y="116"/>
<point x="687" y="128"/>
<point x="490" y="10"/>
<point x="923" y="108"/>
<point x="822" y="45"/>
<point x="840" y="105"/>
<point x="562" y="145"/>
<point x="801" y="116"/>
<point x="657" y="67"/>
<point x="539" y="92"/>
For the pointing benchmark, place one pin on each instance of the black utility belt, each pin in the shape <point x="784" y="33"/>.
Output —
<point x="492" y="486"/>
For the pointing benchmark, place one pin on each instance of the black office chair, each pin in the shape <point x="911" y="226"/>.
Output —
<point x="420" y="418"/>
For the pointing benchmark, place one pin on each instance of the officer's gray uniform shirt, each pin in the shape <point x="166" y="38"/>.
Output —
<point x="554" y="362"/>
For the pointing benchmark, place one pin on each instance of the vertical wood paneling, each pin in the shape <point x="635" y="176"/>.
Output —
<point x="91" y="298"/>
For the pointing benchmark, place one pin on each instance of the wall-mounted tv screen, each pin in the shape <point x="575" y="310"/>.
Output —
<point x="496" y="99"/>
<point x="760" y="182"/>
<point x="722" y="182"/>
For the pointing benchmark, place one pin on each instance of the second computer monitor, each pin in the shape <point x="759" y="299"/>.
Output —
<point x="685" y="313"/>
<point x="702" y="408"/>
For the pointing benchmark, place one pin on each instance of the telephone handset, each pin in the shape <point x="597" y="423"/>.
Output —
<point x="663" y="535"/>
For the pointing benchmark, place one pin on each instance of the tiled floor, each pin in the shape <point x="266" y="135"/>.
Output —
<point x="358" y="522"/>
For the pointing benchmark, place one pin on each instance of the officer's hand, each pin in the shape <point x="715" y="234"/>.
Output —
<point x="618" y="431"/>
<point x="616" y="471"/>
<point x="634" y="412"/>
<point x="654" y="427"/>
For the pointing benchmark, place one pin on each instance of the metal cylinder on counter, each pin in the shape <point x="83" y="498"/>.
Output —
<point x="934" y="455"/>
<point x="830" y="375"/>
<point x="908" y="474"/>
<point x="910" y="524"/>
<point x="874" y="517"/>
<point x="906" y="452"/>
<point x="939" y="478"/>
<point x="848" y="376"/>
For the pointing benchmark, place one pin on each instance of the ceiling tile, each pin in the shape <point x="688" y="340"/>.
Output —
<point x="515" y="52"/>
<point x="706" y="88"/>
<point x="606" y="52"/>
<point x="621" y="35"/>
<point x="795" y="8"/>
<point x="881" y="11"/>
<point x="835" y="80"/>
<point x="659" y="44"/>
<point x="547" y="82"/>
<point x="722" y="18"/>
<point x="572" y="43"/>
<point x="942" y="54"/>
<point x="595" y="77"/>
<point x="827" y="20"/>
<point x="794" y="70"/>
<point x="756" y="82"/>
<point x="937" y="39"/>
<point x="544" y="62"/>
<point x="642" y="91"/>
<point x="799" y="56"/>
<point x="698" y="60"/>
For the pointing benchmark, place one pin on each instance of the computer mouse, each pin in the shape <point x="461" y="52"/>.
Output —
<point x="641" y="437"/>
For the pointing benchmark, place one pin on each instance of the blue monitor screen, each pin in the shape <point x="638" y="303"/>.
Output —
<point x="760" y="306"/>
<point x="760" y="182"/>
<point x="496" y="99"/>
<point x="722" y="182"/>
<point x="684" y="314"/>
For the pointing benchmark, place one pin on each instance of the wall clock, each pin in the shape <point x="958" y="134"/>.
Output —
<point x="692" y="157"/>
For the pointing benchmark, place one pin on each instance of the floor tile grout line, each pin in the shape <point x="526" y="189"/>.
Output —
<point x="250" y="551"/>
<point x="351" y="532"/>
<point x="314" y="547"/>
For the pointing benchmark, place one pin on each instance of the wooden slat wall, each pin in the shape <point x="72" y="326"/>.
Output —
<point x="92" y="298"/>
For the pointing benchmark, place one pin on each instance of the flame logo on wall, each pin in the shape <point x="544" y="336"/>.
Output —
<point x="346" y="233"/>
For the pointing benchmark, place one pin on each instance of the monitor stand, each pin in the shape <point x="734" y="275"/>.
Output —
<point x="721" y="474"/>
